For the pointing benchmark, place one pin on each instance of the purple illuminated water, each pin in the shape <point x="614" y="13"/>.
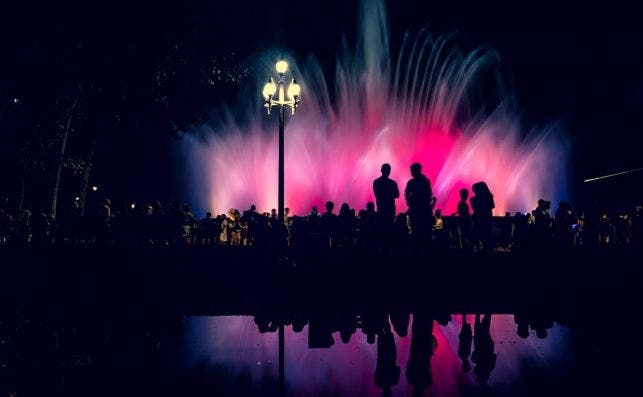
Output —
<point x="232" y="349"/>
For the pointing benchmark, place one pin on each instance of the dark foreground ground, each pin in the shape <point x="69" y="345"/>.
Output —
<point x="110" y="320"/>
<point x="202" y="280"/>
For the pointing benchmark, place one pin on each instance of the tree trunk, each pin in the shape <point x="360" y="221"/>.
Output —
<point x="61" y="157"/>
<point x="84" y="182"/>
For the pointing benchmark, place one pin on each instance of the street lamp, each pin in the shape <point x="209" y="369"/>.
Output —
<point x="270" y="100"/>
<point x="275" y="95"/>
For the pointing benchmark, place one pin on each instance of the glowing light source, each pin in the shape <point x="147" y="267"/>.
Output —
<point x="95" y="188"/>
<point x="611" y="175"/>
<point x="77" y="198"/>
<point x="281" y="66"/>
<point x="269" y="89"/>
<point x="293" y="90"/>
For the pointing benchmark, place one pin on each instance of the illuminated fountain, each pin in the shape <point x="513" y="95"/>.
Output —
<point x="435" y="103"/>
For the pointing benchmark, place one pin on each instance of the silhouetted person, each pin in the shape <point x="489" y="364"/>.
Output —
<point x="312" y="230"/>
<point x="464" y="219"/>
<point x="482" y="204"/>
<point x="564" y="221"/>
<point x="622" y="229"/>
<point x="542" y="221"/>
<point x="39" y="227"/>
<point x="440" y="233"/>
<point x="313" y="219"/>
<point x="401" y="234"/>
<point x="464" y="343"/>
<point x="347" y="325"/>
<point x="423" y="344"/>
<point x="328" y="223"/>
<point x="604" y="230"/>
<point x="483" y="354"/>
<point x="540" y="323"/>
<point x="251" y="218"/>
<point x="345" y="224"/>
<point x="320" y="332"/>
<point x="103" y="220"/>
<point x="387" y="373"/>
<point x="522" y="321"/>
<point x="373" y="323"/>
<point x="386" y="191"/>
<point x="229" y="229"/>
<point x="400" y="320"/>
<point x="367" y="224"/>
<point x="419" y="198"/>
<point x="506" y="231"/>
<point x="520" y="231"/>
<point x="288" y="222"/>
<point x="266" y="323"/>
<point x="298" y="323"/>
<point x="209" y="230"/>
<point x="188" y="223"/>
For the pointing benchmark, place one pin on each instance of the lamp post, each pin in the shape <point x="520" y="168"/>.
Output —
<point x="269" y="91"/>
<point x="275" y="95"/>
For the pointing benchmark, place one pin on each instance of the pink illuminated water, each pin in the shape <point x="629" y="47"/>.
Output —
<point x="232" y="351"/>
<point x="424" y="105"/>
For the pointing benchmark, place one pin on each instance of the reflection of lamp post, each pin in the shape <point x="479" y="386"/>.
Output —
<point x="269" y="91"/>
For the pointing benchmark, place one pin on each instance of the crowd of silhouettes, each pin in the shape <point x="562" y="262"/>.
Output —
<point x="472" y="227"/>
<point x="475" y="343"/>
<point x="67" y="353"/>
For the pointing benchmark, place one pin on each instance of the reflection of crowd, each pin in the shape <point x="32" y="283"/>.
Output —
<point x="380" y="327"/>
<point x="69" y="354"/>
<point x="379" y="225"/>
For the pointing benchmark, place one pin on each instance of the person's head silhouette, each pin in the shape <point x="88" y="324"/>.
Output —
<point x="386" y="169"/>
<point x="329" y="206"/>
<point x="416" y="170"/>
<point x="464" y="194"/>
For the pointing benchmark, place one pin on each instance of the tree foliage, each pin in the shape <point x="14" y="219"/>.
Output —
<point x="92" y="83"/>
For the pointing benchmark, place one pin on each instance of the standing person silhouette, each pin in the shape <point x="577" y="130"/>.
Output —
<point x="386" y="192"/>
<point x="464" y="219"/>
<point x="423" y="345"/>
<point x="387" y="372"/>
<point x="482" y="204"/>
<point x="483" y="354"/>
<point x="419" y="198"/>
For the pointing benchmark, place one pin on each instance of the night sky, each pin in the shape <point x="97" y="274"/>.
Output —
<point x="582" y="66"/>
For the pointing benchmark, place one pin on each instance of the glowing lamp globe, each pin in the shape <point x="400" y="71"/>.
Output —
<point x="269" y="89"/>
<point x="281" y="66"/>
<point x="293" y="90"/>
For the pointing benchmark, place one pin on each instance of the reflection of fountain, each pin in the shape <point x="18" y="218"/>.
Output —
<point x="426" y="107"/>
<point x="428" y="357"/>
